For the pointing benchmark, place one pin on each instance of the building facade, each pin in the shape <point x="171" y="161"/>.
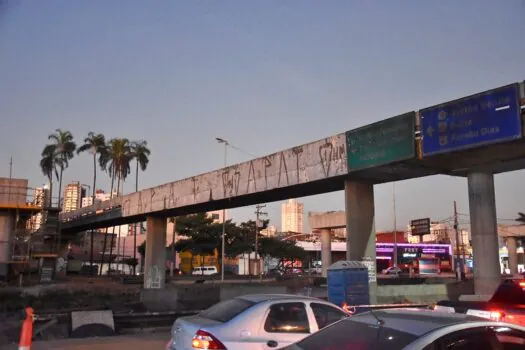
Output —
<point x="292" y="214"/>
<point x="73" y="194"/>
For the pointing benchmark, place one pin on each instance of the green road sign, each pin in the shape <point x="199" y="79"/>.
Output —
<point x="388" y="141"/>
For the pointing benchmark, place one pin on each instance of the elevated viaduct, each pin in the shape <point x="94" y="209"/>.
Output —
<point x="475" y="137"/>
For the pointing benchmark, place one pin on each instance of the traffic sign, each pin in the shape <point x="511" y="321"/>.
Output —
<point x="489" y="117"/>
<point x="420" y="227"/>
<point x="388" y="141"/>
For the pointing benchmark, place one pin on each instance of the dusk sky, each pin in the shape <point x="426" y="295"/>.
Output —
<point x="265" y="75"/>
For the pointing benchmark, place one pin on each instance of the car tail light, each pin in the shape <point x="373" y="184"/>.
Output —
<point x="206" y="340"/>
<point x="497" y="316"/>
<point x="522" y="285"/>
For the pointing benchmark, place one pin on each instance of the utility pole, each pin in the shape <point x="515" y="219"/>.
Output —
<point x="395" y="224"/>
<point x="258" y="213"/>
<point x="10" y="178"/>
<point x="223" y="235"/>
<point x="173" y="256"/>
<point x="459" y="268"/>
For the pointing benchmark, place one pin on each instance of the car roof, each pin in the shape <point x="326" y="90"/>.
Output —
<point x="258" y="298"/>
<point x="413" y="321"/>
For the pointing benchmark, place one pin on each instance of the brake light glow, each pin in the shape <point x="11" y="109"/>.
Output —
<point x="205" y="340"/>
<point x="496" y="316"/>
<point x="522" y="284"/>
<point x="349" y="309"/>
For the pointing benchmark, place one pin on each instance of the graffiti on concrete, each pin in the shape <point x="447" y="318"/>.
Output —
<point x="154" y="278"/>
<point x="314" y="161"/>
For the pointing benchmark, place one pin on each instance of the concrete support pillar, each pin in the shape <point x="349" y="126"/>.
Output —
<point x="7" y="231"/>
<point x="360" y="228"/>
<point x="482" y="205"/>
<point x="326" y="250"/>
<point x="155" y="259"/>
<point x="512" y="248"/>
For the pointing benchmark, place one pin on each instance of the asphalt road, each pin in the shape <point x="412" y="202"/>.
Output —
<point x="129" y="342"/>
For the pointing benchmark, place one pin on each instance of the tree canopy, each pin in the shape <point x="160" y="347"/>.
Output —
<point x="203" y="236"/>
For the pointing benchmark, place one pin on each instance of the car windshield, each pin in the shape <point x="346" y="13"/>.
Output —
<point x="351" y="335"/>
<point x="226" y="310"/>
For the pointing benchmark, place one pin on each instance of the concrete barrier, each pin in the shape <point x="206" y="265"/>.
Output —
<point x="200" y="296"/>
<point x="232" y="291"/>
<point x="92" y="323"/>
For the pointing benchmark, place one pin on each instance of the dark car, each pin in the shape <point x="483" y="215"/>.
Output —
<point x="414" y="329"/>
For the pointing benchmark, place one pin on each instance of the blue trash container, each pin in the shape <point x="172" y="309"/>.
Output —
<point x="348" y="283"/>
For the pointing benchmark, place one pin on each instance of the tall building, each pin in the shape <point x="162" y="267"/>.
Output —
<point x="41" y="196"/>
<point x="72" y="197"/>
<point x="292" y="216"/>
<point x="100" y="196"/>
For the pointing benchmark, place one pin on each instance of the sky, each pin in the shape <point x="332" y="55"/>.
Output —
<point x="265" y="75"/>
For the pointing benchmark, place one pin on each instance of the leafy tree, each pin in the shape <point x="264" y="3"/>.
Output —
<point x="96" y="145"/>
<point x="203" y="235"/>
<point x="281" y="250"/>
<point x="141" y="249"/>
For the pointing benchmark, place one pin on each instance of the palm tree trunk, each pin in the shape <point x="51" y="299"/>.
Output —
<point x="137" y="224"/>
<point x="93" y="203"/>
<point x="50" y="201"/>
<point x="59" y="210"/>
<point x="113" y="230"/>
<point x="106" y="230"/>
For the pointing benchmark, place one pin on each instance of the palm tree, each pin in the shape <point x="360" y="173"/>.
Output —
<point x="521" y="218"/>
<point x="118" y="160"/>
<point x="56" y="156"/>
<point x="96" y="145"/>
<point x="48" y="166"/>
<point x="62" y="150"/>
<point x="140" y="152"/>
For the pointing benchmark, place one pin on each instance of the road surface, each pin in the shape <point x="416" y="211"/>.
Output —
<point x="129" y="342"/>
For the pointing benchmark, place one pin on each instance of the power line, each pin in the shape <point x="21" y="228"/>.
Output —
<point x="242" y="151"/>
<point x="500" y="219"/>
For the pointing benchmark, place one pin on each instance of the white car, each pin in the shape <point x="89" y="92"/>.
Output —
<point x="204" y="270"/>
<point x="254" y="322"/>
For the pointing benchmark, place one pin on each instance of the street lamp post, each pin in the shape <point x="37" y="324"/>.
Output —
<point x="220" y="140"/>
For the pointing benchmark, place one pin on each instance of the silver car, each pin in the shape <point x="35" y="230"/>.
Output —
<point x="254" y="322"/>
<point x="413" y="329"/>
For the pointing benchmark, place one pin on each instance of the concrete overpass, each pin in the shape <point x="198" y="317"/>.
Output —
<point x="451" y="138"/>
<point x="511" y="233"/>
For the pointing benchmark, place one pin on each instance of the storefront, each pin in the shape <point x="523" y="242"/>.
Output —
<point x="434" y="257"/>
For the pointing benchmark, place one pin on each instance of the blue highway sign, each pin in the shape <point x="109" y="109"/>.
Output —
<point x="485" y="118"/>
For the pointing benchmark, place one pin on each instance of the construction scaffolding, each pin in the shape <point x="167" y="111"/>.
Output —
<point x="30" y="223"/>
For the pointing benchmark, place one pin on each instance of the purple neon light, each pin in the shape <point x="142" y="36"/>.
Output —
<point x="418" y="245"/>
<point x="384" y="250"/>
<point x="383" y="258"/>
<point x="434" y="250"/>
